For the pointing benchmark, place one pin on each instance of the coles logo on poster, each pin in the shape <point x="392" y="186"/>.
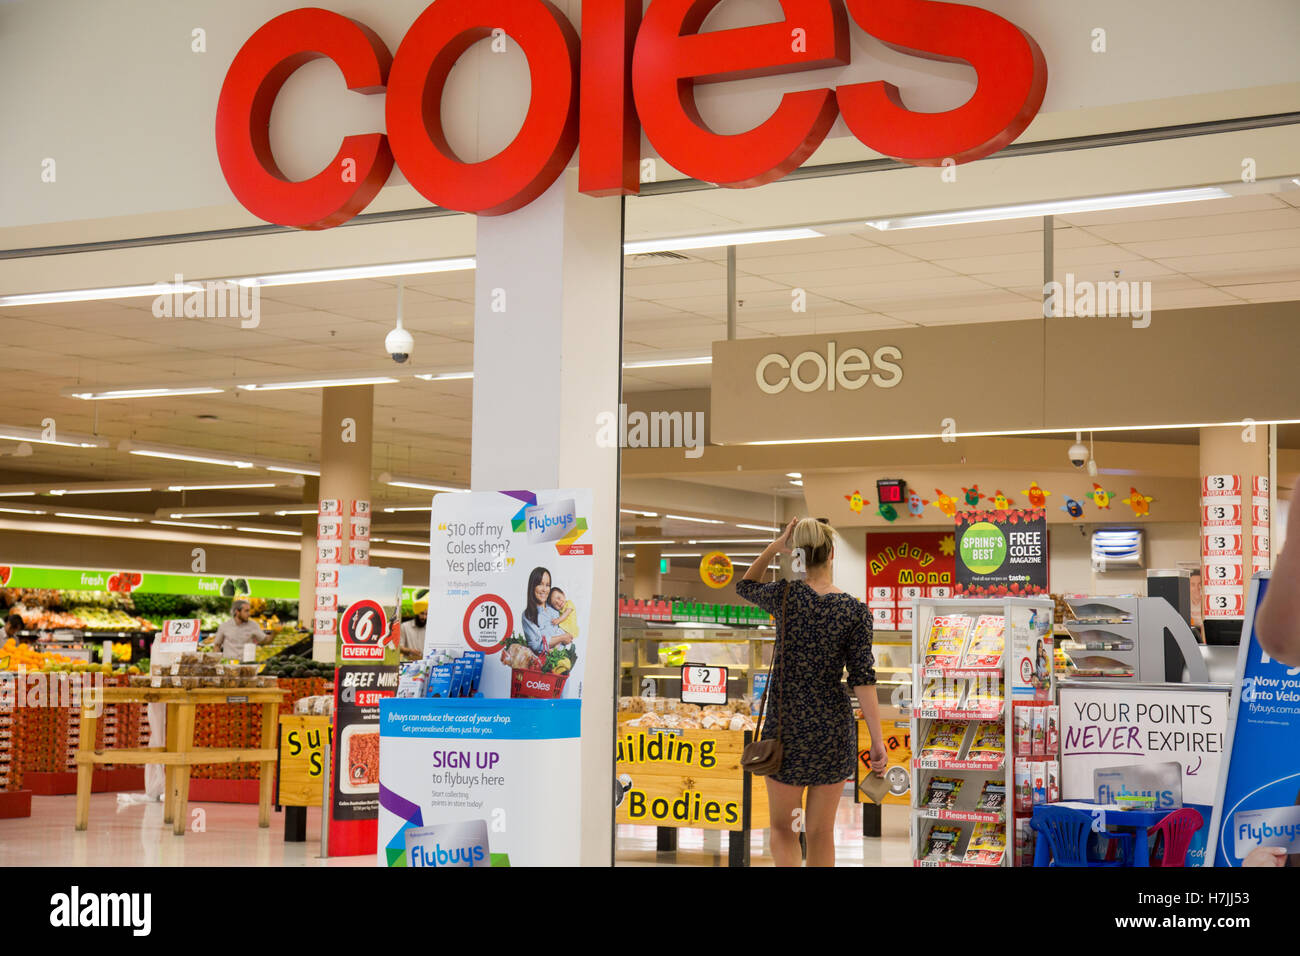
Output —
<point x="363" y="627"/>
<point x="629" y="71"/>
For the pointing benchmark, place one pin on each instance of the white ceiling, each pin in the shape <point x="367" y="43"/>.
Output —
<point x="1230" y="251"/>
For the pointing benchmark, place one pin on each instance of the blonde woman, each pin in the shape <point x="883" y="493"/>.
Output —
<point x="825" y="631"/>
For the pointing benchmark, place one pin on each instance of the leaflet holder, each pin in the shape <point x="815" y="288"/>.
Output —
<point x="1139" y="639"/>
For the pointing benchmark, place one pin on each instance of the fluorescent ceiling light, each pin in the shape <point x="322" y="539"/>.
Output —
<point x="300" y="511"/>
<point x="98" y="491"/>
<point x="320" y="383"/>
<point x="1060" y="207"/>
<point x="198" y="455"/>
<point x="287" y="467"/>
<point x="699" y="520"/>
<point x="643" y="514"/>
<point x="420" y="267"/>
<point x="677" y="554"/>
<point x="670" y="362"/>
<point x="762" y="541"/>
<point x="62" y="439"/>
<point x="641" y="541"/>
<point x="758" y="527"/>
<point x="630" y="554"/>
<point x="200" y="513"/>
<point x="398" y="481"/>
<point x="796" y="481"/>
<point x="92" y="295"/>
<point x="416" y="544"/>
<point x="140" y="393"/>
<point x="408" y="508"/>
<point x="1013" y="432"/>
<point x="68" y="514"/>
<point x="193" y="524"/>
<point x="23" y="511"/>
<point x="17" y="494"/>
<point x="288" y="534"/>
<point x="229" y="486"/>
<point x="444" y="376"/>
<point x="717" y="240"/>
<point x="794" y="474"/>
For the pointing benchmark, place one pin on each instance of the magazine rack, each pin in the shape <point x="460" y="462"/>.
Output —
<point x="1024" y="674"/>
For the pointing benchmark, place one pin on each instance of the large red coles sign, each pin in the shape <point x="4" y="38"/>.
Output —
<point x="627" y="72"/>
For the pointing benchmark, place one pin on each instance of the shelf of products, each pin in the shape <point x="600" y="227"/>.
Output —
<point x="970" y="660"/>
<point x="650" y="652"/>
<point x="660" y="611"/>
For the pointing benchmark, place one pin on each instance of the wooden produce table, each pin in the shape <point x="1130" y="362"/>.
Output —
<point x="180" y="753"/>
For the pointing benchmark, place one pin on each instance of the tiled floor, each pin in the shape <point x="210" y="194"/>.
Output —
<point x="228" y="835"/>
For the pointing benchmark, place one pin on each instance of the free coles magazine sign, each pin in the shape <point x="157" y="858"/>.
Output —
<point x="478" y="782"/>
<point x="1001" y="553"/>
<point x="1258" y="803"/>
<point x="511" y="576"/>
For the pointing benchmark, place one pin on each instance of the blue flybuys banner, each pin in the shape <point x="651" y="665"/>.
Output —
<point x="1258" y="805"/>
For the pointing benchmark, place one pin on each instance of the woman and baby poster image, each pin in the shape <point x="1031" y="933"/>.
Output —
<point x="527" y="605"/>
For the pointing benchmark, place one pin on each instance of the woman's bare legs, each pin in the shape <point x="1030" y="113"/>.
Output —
<point x="785" y="807"/>
<point x="819" y="820"/>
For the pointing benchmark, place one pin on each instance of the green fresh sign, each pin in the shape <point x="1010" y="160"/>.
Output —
<point x="983" y="548"/>
<point x="77" y="579"/>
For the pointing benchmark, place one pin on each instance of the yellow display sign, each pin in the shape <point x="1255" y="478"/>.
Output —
<point x="716" y="569"/>
<point x="691" y="778"/>
<point x="303" y="743"/>
<point x="898" y="746"/>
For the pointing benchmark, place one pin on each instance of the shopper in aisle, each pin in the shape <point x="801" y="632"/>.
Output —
<point x="821" y="630"/>
<point x="413" y="631"/>
<point x="234" y="634"/>
<point x="1278" y="619"/>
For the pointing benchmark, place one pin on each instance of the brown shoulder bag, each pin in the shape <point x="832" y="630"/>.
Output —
<point x="763" y="757"/>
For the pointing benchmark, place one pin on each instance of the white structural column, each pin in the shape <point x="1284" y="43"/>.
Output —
<point x="547" y="362"/>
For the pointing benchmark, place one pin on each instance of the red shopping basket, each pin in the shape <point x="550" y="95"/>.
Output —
<point x="531" y="683"/>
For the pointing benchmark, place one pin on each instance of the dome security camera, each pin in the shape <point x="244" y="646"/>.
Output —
<point x="1078" y="453"/>
<point x="399" y="344"/>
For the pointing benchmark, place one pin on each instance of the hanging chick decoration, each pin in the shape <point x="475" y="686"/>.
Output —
<point x="945" y="503"/>
<point x="1100" y="497"/>
<point x="973" y="495"/>
<point x="856" y="502"/>
<point x="915" y="504"/>
<point x="1140" y="503"/>
<point x="1072" y="508"/>
<point x="1001" y="501"/>
<point x="1037" y="496"/>
<point x="887" y="511"/>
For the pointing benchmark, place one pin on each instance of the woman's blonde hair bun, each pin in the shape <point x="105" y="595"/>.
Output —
<point x="816" y="538"/>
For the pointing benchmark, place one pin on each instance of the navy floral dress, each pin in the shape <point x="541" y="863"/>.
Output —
<point x="824" y="635"/>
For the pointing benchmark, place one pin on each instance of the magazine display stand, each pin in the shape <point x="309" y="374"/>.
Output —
<point x="972" y="661"/>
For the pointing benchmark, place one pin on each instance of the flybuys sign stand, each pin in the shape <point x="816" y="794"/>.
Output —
<point x="1160" y="740"/>
<point x="1257" y="805"/>
<point x="478" y="782"/>
<point x="366" y="654"/>
<point x="510" y="577"/>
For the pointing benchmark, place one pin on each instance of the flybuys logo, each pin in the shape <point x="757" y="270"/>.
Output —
<point x="550" y="522"/>
<point x="1277" y="826"/>
<point x="75" y="909"/>
<point x="448" y="844"/>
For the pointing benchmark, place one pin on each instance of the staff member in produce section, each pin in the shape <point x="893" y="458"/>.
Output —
<point x="14" y="629"/>
<point x="238" y="631"/>
<point x="413" y="631"/>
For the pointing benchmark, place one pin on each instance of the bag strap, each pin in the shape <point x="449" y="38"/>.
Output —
<point x="776" y="657"/>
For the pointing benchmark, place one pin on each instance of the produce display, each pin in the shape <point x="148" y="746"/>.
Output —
<point x="293" y="666"/>
<point x="558" y="660"/>
<point x="662" y="712"/>
<point x="45" y="610"/>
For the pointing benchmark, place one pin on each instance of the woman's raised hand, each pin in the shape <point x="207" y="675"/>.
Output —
<point x="783" y="542"/>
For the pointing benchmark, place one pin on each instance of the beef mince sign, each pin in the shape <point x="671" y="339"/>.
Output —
<point x="629" y="72"/>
